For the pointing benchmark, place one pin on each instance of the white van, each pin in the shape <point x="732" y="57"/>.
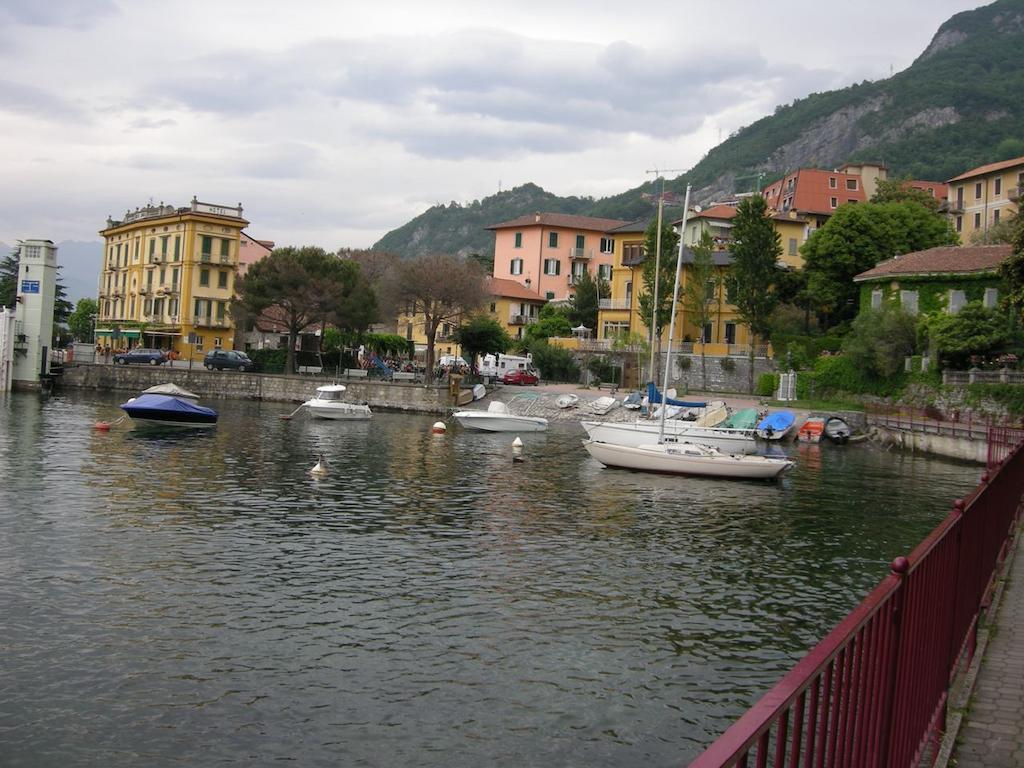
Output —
<point x="498" y="365"/>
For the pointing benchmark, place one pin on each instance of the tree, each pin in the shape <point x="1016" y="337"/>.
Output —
<point x="554" y="363"/>
<point x="755" y="251"/>
<point x="554" y="320"/>
<point x="854" y="240"/>
<point x="301" y="286"/>
<point x="438" y="286"/>
<point x="901" y="191"/>
<point x="482" y="335"/>
<point x="974" y="331"/>
<point x="700" y="289"/>
<point x="585" y="302"/>
<point x="997" y="234"/>
<point x="880" y="339"/>
<point x="659" y="307"/>
<point x="1012" y="270"/>
<point x="82" y="321"/>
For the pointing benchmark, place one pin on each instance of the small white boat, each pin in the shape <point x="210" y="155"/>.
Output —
<point x="687" y="459"/>
<point x="637" y="433"/>
<point x="602" y="405"/>
<point x="568" y="400"/>
<point x="498" y="418"/>
<point x="479" y="392"/>
<point x="327" y="403"/>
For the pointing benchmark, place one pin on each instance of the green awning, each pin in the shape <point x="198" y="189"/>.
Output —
<point x="126" y="333"/>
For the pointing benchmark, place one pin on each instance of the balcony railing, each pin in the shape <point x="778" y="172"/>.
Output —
<point x="226" y="260"/>
<point x="521" y="320"/>
<point x="209" y="322"/>
<point x="581" y="253"/>
<point x="168" y="288"/>
<point x="615" y="303"/>
<point x="206" y="257"/>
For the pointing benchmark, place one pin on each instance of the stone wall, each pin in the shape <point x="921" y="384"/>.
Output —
<point x="719" y="379"/>
<point x="210" y="385"/>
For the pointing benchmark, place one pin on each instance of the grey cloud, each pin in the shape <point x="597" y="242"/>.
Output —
<point x="287" y="160"/>
<point x="147" y="123"/>
<point x="72" y="14"/>
<point x="30" y="100"/>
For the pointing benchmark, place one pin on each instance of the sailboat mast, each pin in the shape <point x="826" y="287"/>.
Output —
<point x="672" y="319"/>
<point x="657" y="272"/>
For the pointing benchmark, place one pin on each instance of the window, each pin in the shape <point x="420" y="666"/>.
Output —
<point x="833" y="202"/>
<point x="152" y="249"/>
<point x="607" y="245"/>
<point x="977" y="191"/>
<point x="998" y="186"/>
<point x="959" y="223"/>
<point x="908" y="300"/>
<point x="730" y="291"/>
<point x="204" y="277"/>
<point x="991" y="297"/>
<point x="494" y="307"/>
<point x="705" y="335"/>
<point x="222" y="279"/>
<point x="552" y="239"/>
<point x="581" y="241"/>
<point x="851" y="184"/>
<point x="876" y="299"/>
<point x="549" y="295"/>
<point x="632" y="253"/>
<point x="604" y="271"/>
<point x="163" y="275"/>
<point x="956" y="301"/>
<point x="207" y="246"/>
<point x="516" y="267"/>
<point x="149" y="278"/>
<point x="851" y="200"/>
<point x="220" y="310"/>
<point x="792" y="246"/>
<point x="177" y="247"/>
<point x="730" y="333"/>
<point x="147" y="306"/>
<point x="163" y="244"/>
<point x="960" y="197"/>
<point x="519" y="239"/>
<point x="408" y="331"/>
<point x="174" y="277"/>
<point x="199" y="343"/>
<point x="709" y="291"/>
<point x="977" y="221"/>
<point x="552" y="267"/>
<point x="995" y="216"/>
<point x="216" y="342"/>
<point x="629" y="291"/>
<point x="832" y="184"/>
<point x="225" y="249"/>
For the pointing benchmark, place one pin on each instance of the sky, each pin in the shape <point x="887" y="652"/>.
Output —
<point x="334" y="122"/>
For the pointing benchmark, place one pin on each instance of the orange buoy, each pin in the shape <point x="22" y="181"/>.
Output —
<point x="101" y="426"/>
<point x="439" y="428"/>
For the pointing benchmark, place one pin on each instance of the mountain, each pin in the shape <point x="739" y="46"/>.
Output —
<point x="79" y="263"/>
<point x="959" y="105"/>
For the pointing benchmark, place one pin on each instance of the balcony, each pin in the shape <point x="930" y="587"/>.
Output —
<point x="117" y="293"/>
<point x="581" y="253"/>
<point x="521" y="320"/>
<point x="1013" y="194"/>
<point x="209" y="322"/>
<point x="157" y="258"/>
<point x="226" y="260"/>
<point x="206" y="257"/>
<point x="614" y="303"/>
<point x="167" y="288"/>
<point x="144" y="290"/>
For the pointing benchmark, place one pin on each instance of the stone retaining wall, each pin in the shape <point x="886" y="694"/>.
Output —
<point x="209" y="385"/>
<point x="719" y="379"/>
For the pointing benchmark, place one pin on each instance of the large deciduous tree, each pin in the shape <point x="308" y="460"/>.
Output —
<point x="974" y="331"/>
<point x="81" y="322"/>
<point x="438" y="286"/>
<point x="301" y="286"/>
<point x="699" y="291"/>
<point x="755" y="252"/>
<point x="659" y="307"/>
<point x="855" y="239"/>
<point x="880" y="339"/>
<point x="482" y="335"/>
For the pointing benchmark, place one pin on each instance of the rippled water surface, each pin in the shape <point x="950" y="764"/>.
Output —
<point x="198" y="599"/>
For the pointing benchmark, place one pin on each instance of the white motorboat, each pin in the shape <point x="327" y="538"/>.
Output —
<point x="171" y="390"/>
<point x="602" y="405"/>
<point x="327" y="403"/>
<point x="636" y="433"/>
<point x="498" y="418"/>
<point x="687" y="459"/>
<point x="567" y="400"/>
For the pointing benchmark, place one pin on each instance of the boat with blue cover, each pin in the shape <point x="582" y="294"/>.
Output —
<point x="168" y="411"/>
<point x="776" y="425"/>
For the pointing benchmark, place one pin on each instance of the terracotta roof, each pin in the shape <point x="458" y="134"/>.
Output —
<point x="943" y="260"/>
<point x="716" y="212"/>
<point x="981" y="170"/>
<point x="510" y="289"/>
<point x="565" y="220"/>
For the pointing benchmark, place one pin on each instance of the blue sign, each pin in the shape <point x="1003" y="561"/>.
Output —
<point x="30" y="286"/>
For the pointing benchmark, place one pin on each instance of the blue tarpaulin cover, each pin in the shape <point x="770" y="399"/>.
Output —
<point x="777" y="421"/>
<point x="654" y="396"/>
<point x="152" y="406"/>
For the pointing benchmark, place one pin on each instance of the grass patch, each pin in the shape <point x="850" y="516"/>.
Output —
<point x="818" y="405"/>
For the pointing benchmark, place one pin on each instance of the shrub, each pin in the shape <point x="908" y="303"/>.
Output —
<point x="728" y="364"/>
<point x="880" y="339"/>
<point x="684" y="363"/>
<point x="1010" y="396"/>
<point x="603" y="369"/>
<point x="767" y="384"/>
<point x="839" y="374"/>
<point x="554" y="363"/>
<point x="270" y="360"/>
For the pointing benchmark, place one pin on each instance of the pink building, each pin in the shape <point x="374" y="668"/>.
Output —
<point x="250" y="251"/>
<point x="548" y="252"/>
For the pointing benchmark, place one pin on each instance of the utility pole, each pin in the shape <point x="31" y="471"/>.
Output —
<point x="658" y="173"/>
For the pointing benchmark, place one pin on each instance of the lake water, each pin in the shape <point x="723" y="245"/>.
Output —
<point x="198" y="599"/>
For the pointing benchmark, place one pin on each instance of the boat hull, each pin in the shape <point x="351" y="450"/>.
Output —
<point x="338" y="411"/>
<point x="167" y="411"/>
<point x="636" y="434"/>
<point x="486" y="422"/>
<point x="667" y="459"/>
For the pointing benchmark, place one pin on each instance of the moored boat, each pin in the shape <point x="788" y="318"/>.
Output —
<point x="172" y="390"/>
<point x="837" y="430"/>
<point x="642" y="432"/>
<point x="776" y="425"/>
<point x="811" y="430"/>
<point x="742" y="419"/>
<point x="328" y="403"/>
<point x="567" y="400"/>
<point x="687" y="459"/>
<point x="168" y="411"/>
<point x="498" y="418"/>
<point x="602" y="405"/>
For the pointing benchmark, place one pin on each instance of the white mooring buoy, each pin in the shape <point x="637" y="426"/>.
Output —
<point x="439" y="428"/>
<point x="517" y="450"/>
<point x="320" y="468"/>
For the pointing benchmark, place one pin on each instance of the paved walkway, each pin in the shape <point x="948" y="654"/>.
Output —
<point x="992" y="734"/>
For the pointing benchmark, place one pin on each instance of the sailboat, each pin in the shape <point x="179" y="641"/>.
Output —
<point x="683" y="458"/>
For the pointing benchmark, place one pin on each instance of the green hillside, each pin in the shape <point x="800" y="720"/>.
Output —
<point x="959" y="105"/>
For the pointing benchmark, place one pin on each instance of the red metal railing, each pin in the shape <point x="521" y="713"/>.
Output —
<point x="873" y="692"/>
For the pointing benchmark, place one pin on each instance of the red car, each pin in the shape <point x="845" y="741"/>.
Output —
<point x="520" y="376"/>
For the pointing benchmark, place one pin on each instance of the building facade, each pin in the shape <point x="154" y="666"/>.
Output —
<point x="548" y="252"/>
<point x="984" y="196"/>
<point x="168" y="277"/>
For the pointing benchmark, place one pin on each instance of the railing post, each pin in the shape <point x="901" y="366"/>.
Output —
<point x="899" y="567"/>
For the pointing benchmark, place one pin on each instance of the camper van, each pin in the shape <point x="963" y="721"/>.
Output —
<point x="498" y="365"/>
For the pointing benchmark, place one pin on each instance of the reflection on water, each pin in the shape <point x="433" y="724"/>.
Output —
<point x="198" y="598"/>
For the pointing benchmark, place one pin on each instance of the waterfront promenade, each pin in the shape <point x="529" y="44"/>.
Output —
<point x="992" y="732"/>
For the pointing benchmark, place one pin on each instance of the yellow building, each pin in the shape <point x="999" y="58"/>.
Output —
<point x="168" y="276"/>
<point x="512" y="304"/>
<point x="984" y="196"/>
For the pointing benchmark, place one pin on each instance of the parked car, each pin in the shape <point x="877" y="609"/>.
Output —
<point x="141" y="355"/>
<point x="228" y="358"/>
<point x="520" y="376"/>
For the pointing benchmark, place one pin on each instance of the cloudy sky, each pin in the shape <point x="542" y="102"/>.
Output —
<point x="333" y="122"/>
